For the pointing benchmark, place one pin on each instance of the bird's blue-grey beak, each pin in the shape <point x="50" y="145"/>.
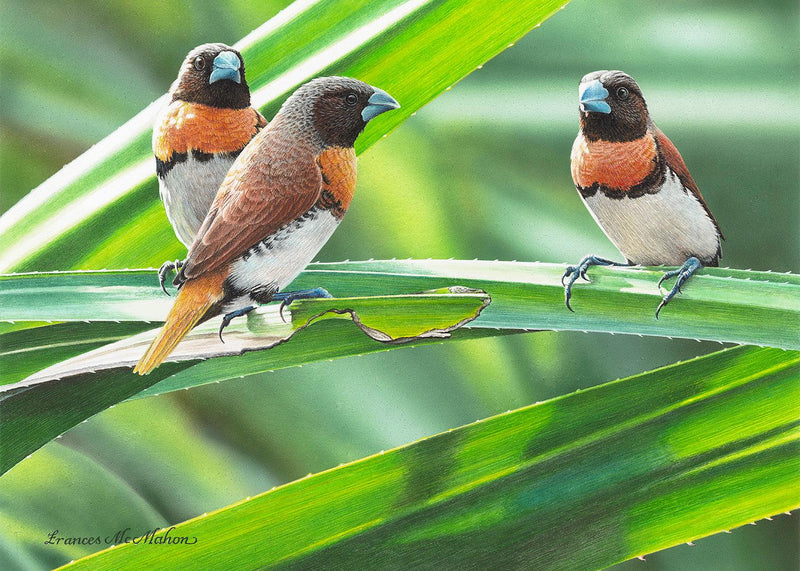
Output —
<point x="379" y="102"/>
<point x="592" y="97"/>
<point x="226" y="66"/>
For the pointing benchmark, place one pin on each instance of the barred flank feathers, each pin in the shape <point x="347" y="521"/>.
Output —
<point x="193" y="301"/>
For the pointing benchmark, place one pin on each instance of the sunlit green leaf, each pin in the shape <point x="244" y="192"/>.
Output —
<point x="581" y="481"/>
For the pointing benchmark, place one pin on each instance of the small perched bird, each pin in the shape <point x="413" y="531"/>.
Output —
<point x="635" y="184"/>
<point x="199" y="135"/>
<point x="280" y="202"/>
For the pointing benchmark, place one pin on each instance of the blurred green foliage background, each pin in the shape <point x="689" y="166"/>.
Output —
<point x="482" y="172"/>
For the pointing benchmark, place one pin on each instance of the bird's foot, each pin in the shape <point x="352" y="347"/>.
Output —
<point x="684" y="273"/>
<point x="226" y="320"/>
<point x="287" y="297"/>
<point x="166" y="268"/>
<point x="579" y="271"/>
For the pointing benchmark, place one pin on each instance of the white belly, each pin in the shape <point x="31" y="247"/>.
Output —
<point x="188" y="190"/>
<point x="280" y="258"/>
<point x="664" y="228"/>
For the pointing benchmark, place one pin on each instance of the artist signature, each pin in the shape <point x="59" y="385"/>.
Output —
<point x="156" y="536"/>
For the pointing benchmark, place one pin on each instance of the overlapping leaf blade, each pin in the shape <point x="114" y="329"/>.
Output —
<point x="720" y="304"/>
<point x="49" y="402"/>
<point x="582" y="481"/>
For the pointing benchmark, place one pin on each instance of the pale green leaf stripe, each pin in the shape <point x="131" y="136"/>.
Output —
<point x="415" y="49"/>
<point x="27" y="351"/>
<point x="738" y="306"/>
<point x="579" y="482"/>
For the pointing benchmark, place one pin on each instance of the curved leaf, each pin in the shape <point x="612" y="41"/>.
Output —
<point x="393" y="320"/>
<point x="45" y="404"/>
<point x="581" y="481"/>
<point x="738" y="306"/>
<point x="719" y="304"/>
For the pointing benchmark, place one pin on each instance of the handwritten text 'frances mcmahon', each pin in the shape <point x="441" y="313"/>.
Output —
<point x="156" y="536"/>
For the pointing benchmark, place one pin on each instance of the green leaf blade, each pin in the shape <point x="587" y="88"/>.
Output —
<point x="738" y="306"/>
<point x="46" y="403"/>
<point x="547" y="484"/>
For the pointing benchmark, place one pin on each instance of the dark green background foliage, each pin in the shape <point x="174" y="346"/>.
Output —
<point x="482" y="172"/>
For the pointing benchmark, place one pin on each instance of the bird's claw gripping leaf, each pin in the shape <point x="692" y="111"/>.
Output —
<point x="579" y="271"/>
<point x="683" y="273"/>
<point x="166" y="268"/>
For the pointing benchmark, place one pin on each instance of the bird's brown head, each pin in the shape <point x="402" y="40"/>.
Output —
<point x="336" y="109"/>
<point x="213" y="74"/>
<point x="612" y="107"/>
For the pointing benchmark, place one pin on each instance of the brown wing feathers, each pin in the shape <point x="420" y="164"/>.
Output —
<point x="258" y="197"/>
<point x="675" y="161"/>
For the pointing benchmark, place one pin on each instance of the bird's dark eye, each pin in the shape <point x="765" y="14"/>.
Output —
<point x="622" y="93"/>
<point x="351" y="99"/>
<point x="199" y="63"/>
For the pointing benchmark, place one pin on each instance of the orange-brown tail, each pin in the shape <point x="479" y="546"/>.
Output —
<point x="194" y="299"/>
